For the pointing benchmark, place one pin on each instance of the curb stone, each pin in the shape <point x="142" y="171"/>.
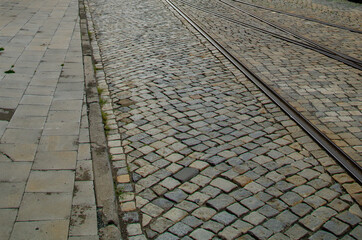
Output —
<point x="104" y="187"/>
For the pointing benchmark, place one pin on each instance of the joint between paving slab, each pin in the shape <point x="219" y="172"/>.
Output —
<point x="103" y="180"/>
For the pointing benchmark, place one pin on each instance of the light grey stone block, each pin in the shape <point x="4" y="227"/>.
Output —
<point x="51" y="181"/>
<point x="7" y="219"/>
<point x="55" y="229"/>
<point x="11" y="194"/>
<point x="55" y="160"/>
<point x="45" y="206"/>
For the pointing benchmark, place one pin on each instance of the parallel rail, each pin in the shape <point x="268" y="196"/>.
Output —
<point x="312" y="43"/>
<point x="341" y="157"/>
<point x="301" y="17"/>
<point x="306" y="43"/>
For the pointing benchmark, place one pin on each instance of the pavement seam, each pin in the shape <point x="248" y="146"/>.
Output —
<point x="107" y="207"/>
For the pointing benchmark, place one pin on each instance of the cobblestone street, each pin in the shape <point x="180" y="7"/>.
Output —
<point x="314" y="84"/>
<point x="199" y="151"/>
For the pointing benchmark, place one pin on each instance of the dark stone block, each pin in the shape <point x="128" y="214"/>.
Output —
<point x="186" y="174"/>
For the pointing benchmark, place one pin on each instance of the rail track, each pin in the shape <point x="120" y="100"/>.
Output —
<point x="354" y="169"/>
<point x="301" y="17"/>
<point x="305" y="42"/>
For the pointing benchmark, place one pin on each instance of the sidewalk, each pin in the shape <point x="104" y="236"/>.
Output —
<point x="46" y="176"/>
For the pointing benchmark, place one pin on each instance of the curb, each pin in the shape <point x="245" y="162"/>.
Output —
<point x="107" y="207"/>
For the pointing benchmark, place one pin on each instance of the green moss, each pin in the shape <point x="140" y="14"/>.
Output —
<point x="9" y="71"/>
<point x="99" y="90"/>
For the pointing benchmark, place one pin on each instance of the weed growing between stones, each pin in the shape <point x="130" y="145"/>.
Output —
<point x="10" y="70"/>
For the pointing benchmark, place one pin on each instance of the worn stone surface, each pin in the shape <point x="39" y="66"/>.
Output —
<point x="44" y="145"/>
<point x="186" y="174"/>
<point x="178" y="105"/>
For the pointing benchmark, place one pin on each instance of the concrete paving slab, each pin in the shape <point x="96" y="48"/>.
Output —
<point x="36" y="230"/>
<point x="23" y="152"/>
<point x="7" y="220"/>
<point x="55" y="160"/>
<point x="41" y="206"/>
<point x="3" y="125"/>
<point x="87" y="237"/>
<point x="71" y="86"/>
<point x="83" y="193"/>
<point x="11" y="194"/>
<point x="62" y="105"/>
<point x="14" y="171"/>
<point x="83" y="220"/>
<point x="11" y="92"/>
<point x="27" y="122"/>
<point x="84" y="151"/>
<point x="64" y="116"/>
<point x="9" y="102"/>
<point x="33" y="111"/>
<point x="40" y="90"/>
<point x="28" y="136"/>
<point x="51" y="83"/>
<point x="61" y="128"/>
<point x="68" y="95"/>
<point x="51" y="181"/>
<point x="36" y="100"/>
<point x="58" y="143"/>
<point x="84" y="171"/>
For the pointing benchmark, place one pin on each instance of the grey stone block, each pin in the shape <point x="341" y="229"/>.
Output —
<point x="7" y="220"/>
<point x="28" y="136"/>
<point x="349" y="218"/>
<point x="221" y="202"/>
<point x="19" y="151"/>
<point x="36" y="100"/>
<point x="224" y="218"/>
<point x="14" y="171"/>
<point x="186" y="174"/>
<point x="54" y="229"/>
<point x="180" y="229"/>
<point x="176" y="195"/>
<point x="55" y="160"/>
<point x="322" y="235"/>
<point x="83" y="193"/>
<point x="83" y="220"/>
<point x="51" y="181"/>
<point x="11" y="194"/>
<point x="336" y="227"/>
<point x="261" y="232"/>
<point x="40" y="206"/>
<point x="58" y="143"/>
<point x="61" y="128"/>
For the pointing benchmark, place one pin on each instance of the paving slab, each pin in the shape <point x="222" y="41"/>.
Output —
<point x="40" y="206"/>
<point x="12" y="194"/>
<point x="55" y="229"/>
<point x="7" y="220"/>
<point x="46" y="120"/>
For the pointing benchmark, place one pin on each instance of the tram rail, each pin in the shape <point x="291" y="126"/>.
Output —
<point x="353" y="168"/>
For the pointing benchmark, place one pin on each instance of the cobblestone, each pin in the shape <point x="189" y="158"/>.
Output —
<point x="203" y="137"/>
<point x="336" y="227"/>
<point x="296" y="232"/>
<point x="349" y="218"/>
<point x="224" y="218"/>
<point x="180" y="229"/>
<point x="261" y="232"/>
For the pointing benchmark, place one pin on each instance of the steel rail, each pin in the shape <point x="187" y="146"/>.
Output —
<point x="279" y="36"/>
<point x="357" y="61"/>
<point x="301" y="17"/>
<point x="334" y="151"/>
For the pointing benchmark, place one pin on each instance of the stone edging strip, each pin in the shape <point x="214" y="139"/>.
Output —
<point x="107" y="206"/>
